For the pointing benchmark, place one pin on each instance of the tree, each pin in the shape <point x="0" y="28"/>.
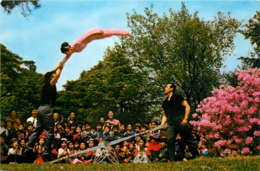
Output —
<point x="20" y="86"/>
<point x="181" y="48"/>
<point x="252" y="32"/>
<point x="9" y="5"/>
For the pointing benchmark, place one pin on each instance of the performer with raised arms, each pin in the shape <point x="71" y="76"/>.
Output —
<point x="45" y="113"/>
<point x="89" y="36"/>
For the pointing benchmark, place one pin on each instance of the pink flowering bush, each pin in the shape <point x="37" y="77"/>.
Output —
<point x="229" y="120"/>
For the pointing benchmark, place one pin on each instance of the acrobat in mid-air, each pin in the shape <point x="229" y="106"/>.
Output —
<point x="89" y="36"/>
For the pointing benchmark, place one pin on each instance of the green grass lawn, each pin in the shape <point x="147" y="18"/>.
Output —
<point x="239" y="163"/>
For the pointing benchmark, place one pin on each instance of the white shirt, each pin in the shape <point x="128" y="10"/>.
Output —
<point x="33" y="120"/>
<point x="3" y="129"/>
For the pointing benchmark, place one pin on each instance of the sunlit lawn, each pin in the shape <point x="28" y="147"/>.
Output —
<point x="239" y="163"/>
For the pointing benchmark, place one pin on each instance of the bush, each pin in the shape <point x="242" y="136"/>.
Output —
<point x="229" y="120"/>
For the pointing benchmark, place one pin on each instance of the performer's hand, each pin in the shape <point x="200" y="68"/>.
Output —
<point x="184" y="122"/>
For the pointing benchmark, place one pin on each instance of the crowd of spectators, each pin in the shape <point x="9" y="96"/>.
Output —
<point x="72" y="136"/>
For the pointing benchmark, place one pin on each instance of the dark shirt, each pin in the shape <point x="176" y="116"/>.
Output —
<point x="173" y="108"/>
<point x="48" y="94"/>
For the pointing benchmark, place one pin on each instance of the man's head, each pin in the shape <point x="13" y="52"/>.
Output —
<point x="13" y="113"/>
<point x="34" y="112"/>
<point x="72" y="115"/>
<point x="110" y="115"/>
<point x="169" y="88"/>
<point x="55" y="116"/>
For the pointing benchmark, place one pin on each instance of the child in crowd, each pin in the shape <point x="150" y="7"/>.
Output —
<point x="129" y="130"/>
<point x="21" y="134"/>
<point x="81" y="158"/>
<point x="29" y="131"/>
<point x="63" y="151"/>
<point x="76" y="146"/>
<point x="142" y="153"/>
<point x="4" y="151"/>
<point x="90" y="154"/>
<point x="163" y="155"/>
<point x="122" y="130"/>
<point x="71" y="150"/>
<point x="14" y="153"/>
<point x="107" y="135"/>
<point x="78" y="136"/>
<point x="39" y="149"/>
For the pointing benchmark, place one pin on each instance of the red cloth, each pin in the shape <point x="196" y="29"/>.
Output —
<point x="43" y="135"/>
<point x="154" y="145"/>
<point x="39" y="159"/>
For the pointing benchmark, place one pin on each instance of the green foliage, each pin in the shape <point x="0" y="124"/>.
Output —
<point x="252" y="32"/>
<point x="181" y="48"/>
<point x="9" y="5"/>
<point x="20" y="86"/>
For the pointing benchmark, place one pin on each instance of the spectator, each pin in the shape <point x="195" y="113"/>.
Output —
<point x="21" y="134"/>
<point x="68" y="134"/>
<point x="11" y="132"/>
<point x="142" y="153"/>
<point x="107" y="135"/>
<point x="3" y="130"/>
<point x="90" y="154"/>
<point x="4" y="151"/>
<point x="63" y="151"/>
<point x="129" y="130"/>
<point x="102" y="121"/>
<point x="14" y="153"/>
<point x="112" y="120"/>
<point x="78" y="136"/>
<point x="72" y="119"/>
<point x="13" y="117"/>
<point x="33" y="119"/>
<point x="39" y="149"/>
<point x="29" y="131"/>
<point x="71" y="151"/>
<point x="56" y="118"/>
<point x="122" y="130"/>
<point x="115" y="133"/>
<point x="163" y="155"/>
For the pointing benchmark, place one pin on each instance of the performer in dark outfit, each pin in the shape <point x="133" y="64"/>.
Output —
<point x="174" y="108"/>
<point x="45" y="112"/>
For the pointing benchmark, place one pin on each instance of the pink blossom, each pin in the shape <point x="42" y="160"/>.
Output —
<point x="249" y="140"/>
<point x="258" y="147"/>
<point x="194" y="115"/>
<point x="234" y="152"/>
<point x="216" y="135"/>
<point x="244" y="104"/>
<point x="245" y="150"/>
<point x="257" y="133"/>
<point x="238" y="141"/>
<point x="227" y="151"/>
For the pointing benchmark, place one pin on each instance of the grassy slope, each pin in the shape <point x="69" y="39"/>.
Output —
<point x="228" y="163"/>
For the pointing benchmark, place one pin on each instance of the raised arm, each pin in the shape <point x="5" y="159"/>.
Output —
<point x="54" y="80"/>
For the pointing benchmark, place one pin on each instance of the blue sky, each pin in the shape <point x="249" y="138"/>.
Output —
<point x="38" y="37"/>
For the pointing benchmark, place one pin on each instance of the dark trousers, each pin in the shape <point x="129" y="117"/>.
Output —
<point x="45" y="123"/>
<point x="172" y="131"/>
